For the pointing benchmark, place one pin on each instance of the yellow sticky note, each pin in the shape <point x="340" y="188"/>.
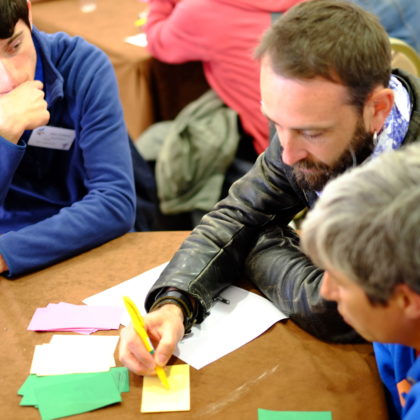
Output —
<point x="158" y="399"/>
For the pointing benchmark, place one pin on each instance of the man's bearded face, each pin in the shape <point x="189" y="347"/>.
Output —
<point x="360" y="147"/>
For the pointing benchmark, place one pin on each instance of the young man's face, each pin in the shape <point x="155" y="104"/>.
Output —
<point x="17" y="59"/>
<point x="374" y="322"/>
<point x="315" y="124"/>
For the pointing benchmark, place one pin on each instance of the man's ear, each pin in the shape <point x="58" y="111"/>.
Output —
<point x="409" y="301"/>
<point x="377" y="108"/>
<point x="29" y="12"/>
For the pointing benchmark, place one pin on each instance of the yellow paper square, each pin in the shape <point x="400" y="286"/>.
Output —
<point x="156" y="398"/>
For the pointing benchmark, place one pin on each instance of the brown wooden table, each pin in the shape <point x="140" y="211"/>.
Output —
<point x="149" y="90"/>
<point x="283" y="369"/>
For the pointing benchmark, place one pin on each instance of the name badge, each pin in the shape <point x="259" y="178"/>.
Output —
<point x="52" y="137"/>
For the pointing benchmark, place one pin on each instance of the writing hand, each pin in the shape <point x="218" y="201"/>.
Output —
<point x="165" y="328"/>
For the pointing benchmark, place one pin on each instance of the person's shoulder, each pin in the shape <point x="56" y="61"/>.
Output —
<point x="62" y="46"/>
<point x="397" y="352"/>
<point x="81" y="64"/>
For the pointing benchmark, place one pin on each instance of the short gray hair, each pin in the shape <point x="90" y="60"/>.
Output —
<point x="366" y="224"/>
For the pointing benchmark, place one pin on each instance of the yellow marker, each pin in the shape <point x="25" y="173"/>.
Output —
<point x="139" y="326"/>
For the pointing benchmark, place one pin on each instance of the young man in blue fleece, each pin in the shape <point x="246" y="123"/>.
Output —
<point x="364" y="231"/>
<point x="66" y="182"/>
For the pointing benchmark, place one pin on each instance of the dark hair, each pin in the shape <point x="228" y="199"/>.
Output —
<point x="332" y="39"/>
<point x="10" y="12"/>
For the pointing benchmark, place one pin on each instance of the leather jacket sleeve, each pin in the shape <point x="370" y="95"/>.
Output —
<point x="248" y="230"/>
<point x="280" y="270"/>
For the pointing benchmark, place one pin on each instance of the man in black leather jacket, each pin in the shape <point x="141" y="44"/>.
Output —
<point x="327" y="88"/>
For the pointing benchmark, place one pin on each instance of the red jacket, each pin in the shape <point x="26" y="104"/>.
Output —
<point x="222" y="34"/>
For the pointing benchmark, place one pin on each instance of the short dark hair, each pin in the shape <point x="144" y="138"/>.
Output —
<point x="333" y="39"/>
<point x="10" y="12"/>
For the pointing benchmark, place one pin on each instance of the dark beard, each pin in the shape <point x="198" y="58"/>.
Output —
<point x="362" y="147"/>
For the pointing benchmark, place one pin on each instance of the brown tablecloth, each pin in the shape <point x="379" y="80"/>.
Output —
<point x="149" y="90"/>
<point x="284" y="369"/>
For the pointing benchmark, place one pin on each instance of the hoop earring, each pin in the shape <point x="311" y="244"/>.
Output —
<point x="375" y="138"/>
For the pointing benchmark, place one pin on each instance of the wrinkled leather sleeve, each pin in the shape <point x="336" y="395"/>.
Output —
<point x="213" y="255"/>
<point x="236" y="236"/>
<point x="280" y="270"/>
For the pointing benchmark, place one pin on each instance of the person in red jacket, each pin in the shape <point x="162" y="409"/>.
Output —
<point x="222" y="34"/>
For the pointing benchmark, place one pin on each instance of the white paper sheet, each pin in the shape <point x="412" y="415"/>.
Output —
<point x="139" y="40"/>
<point x="228" y="327"/>
<point x="136" y="289"/>
<point x="74" y="354"/>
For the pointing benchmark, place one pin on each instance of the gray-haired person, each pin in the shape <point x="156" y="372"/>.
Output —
<point x="364" y="231"/>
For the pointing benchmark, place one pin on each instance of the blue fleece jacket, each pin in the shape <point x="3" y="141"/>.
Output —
<point x="399" y="367"/>
<point x="57" y="203"/>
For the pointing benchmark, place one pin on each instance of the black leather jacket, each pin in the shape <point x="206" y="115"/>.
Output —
<point x="247" y="234"/>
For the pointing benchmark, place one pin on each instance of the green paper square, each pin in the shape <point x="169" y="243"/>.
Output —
<point x="34" y="381"/>
<point x="120" y="376"/>
<point x="293" y="415"/>
<point x="76" y="396"/>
